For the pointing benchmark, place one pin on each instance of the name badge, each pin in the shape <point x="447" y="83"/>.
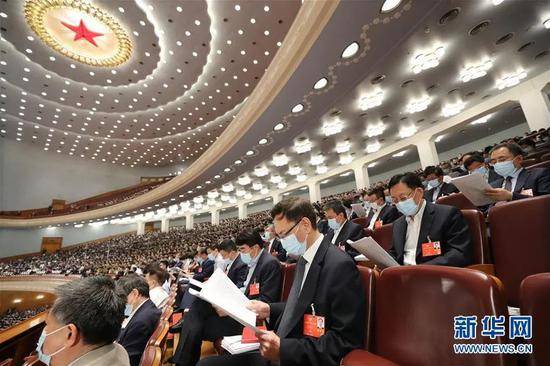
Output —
<point x="200" y="269"/>
<point x="430" y="249"/>
<point x="527" y="192"/>
<point x="314" y="326"/>
<point x="254" y="289"/>
<point x="378" y="224"/>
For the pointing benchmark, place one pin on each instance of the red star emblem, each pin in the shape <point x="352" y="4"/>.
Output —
<point x="81" y="31"/>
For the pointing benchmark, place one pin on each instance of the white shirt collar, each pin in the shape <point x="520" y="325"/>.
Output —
<point x="312" y="250"/>
<point x="418" y="214"/>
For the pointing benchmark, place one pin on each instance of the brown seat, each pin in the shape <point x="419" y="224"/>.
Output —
<point x="367" y="232"/>
<point x="158" y="338"/>
<point x="535" y="301"/>
<point x="288" y="278"/>
<point x="478" y="232"/>
<point x="152" y="356"/>
<point x="520" y="233"/>
<point x="361" y="221"/>
<point x="167" y="312"/>
<point x="7" y="362"/>
<point x="543" y="164"/>
<point x="383" y="236"/>
<point x="537" y="155"/>
<point x="369" y="277"/>
<point x="528" y="162"/>
<point x="457" y="200"/>
<point x="545" y="157"/>
<point x="414" y="315"/>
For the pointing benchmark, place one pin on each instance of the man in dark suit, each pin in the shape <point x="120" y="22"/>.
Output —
<point x="380" y="213"/>
<point x="436" y="186"/>
<point x="273" y="245"/>
<point x="326" y="292"/>
<point x="203" y="322"/>
<point x="427" y="233"/>
<point x="236" y="269"/>
<point x="342" y="230"/>
<point x="476" y="164"/>
<point x="206" y="268"/>
<point x="516" y="182"/>
<point x="142" y="316"/>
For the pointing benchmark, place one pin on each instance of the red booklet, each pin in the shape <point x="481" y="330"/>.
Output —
<point x="249" y="336"/>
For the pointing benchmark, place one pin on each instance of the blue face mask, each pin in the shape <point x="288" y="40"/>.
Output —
<point x="293" y="246"/>
<point x="246" y="258"/>
<point x="505" y="168"/>
<point x="388" y="200"/>
<point x="333" y="224"/>
<point x="211" y="256"/>
<point x="127" y="310"/>
<point x="433" y="183"/>
<point x="481" y="170"/>
<point x="407" y="207"/>
<point x="200" y="260"/>
<point x="46" y="359"/>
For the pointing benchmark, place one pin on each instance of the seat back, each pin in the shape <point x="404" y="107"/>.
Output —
<point x="478" y="232"/>
<point x="543" y="164"/>
<point x="520" y="247"/>
<point x="415" y="308"/>
<point x="383" y="235"/>
<point x="545" y="157"/>
<point x="288" y="278"/>
<point x="158" y="338"/>
<point x="537" y="155"/>
<point x="152" y="356"/>
<point x="457" y="200"/>
<point x="7" y="362"/>
<point x="361" y="221"/>
<point x="368" y="277"/>
<point x="535" y="301"/>
<point x="167" y="312"/>
<point x="528" y="162"/>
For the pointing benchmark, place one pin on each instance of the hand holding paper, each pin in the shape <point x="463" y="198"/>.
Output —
<point x="475" y="188"/>
<point x="373" y="251"/>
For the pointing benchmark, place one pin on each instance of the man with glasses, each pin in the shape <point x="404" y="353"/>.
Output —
<point x="516" y="182"/>
<point x="427" y="233"/>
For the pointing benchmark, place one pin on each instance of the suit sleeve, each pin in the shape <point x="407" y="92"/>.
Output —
<point x="136" y="337"/>
<point x="458" y="241"/>
<point x="241" y="276"/>
<point x="346" y="330"/>
<point x="282" y="253"/>
<point x="207" y="271"/>
<point x="270" y="282"/>
<point x="541" y="186"/>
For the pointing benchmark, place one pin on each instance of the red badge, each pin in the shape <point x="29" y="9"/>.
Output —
<point x="249" y="336"/>
<point x="378" y="224"/>
<point x="314" y="326"/>
<point x="254" y="289"/>
<point x="431" y="248"/>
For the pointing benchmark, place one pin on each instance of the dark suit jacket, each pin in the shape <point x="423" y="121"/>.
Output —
<point x="207" y="270"/>
<point x="350" y="231"/>
<point x="135" y="335"/>
<point x="334" y="287"/>
<point x="269" y="275"/>
<point x="389" y="214"/>
<point x="276" y="246"/>
<point x="322" y="227"/>
<point x="441" y="223"/>
<point x="536" y="179"/>
<point x="445" y="190"/>
<point x="238" y="271"/>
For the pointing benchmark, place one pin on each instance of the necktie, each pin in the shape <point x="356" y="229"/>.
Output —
<point x="369" y="216"/>
<point x="508" y="184"/>
<point x="282" y="331"/>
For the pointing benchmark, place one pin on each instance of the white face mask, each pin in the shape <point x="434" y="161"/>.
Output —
<point x="46" y="359"/>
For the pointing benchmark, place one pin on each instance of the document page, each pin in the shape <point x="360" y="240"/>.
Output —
<point x="374" y="252"/>
<point x="473" y="187"/>
<point x="358" y="209"/>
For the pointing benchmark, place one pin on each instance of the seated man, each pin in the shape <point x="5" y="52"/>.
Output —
<point x="342" y="230"/>
<point x="428" y="233"/>
<point x="236" y="269"/>
<point x="436" y="186"/>
<point x="155" y="277"/>
<point x="516" y="182"/>
<point x="327" y="292"/>
<point x="476" y="164"/>
<point x="142" y="316"/>
<point x="83" y="324"/>
<point x="166" y="285"/>
<point x="202" y="322"/>
<point x="274" y="246"/>
<point x="381" y="213"/>
<point x="214" y="255"/>
<point x="206" y="265"/>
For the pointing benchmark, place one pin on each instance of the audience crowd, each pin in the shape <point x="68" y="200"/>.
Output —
<point x="13" y="317"/>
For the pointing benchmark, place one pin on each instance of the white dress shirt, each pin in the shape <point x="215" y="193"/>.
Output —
<point x="158" y="296"/>
<point x="337" y="232"/>
<point x="514" y="176"/>
<point x="411" y="238"/>
<point x="251" y="269"/>
<point x="309" y="255"/>
<point x="436" y="192"/>
<point x="375" y="216"/>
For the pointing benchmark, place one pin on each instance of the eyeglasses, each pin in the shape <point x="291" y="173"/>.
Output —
<point x="282" y="236"/>
<point x="404" y="198"/>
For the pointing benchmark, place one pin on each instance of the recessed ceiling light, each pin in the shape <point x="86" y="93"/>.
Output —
<point x="418" y="105"/>
<point x="3" y="15"/>
<point x="375" y="129"/>
<point x="237" y="7"/>
<point x="298" y="108"/>
<point x="302" y="145"/>
<point x="321" y="169"/>
<point x="511" y="79"/>
<point x="407" y="131"/>
<point x="249" y="153"/>
<point x="345" y="159"/>
<point x="371" y="100"/>
<point x="439" y="138"/>
<point x="450" y="109"/>
<point x="399" y="154"/>
<point x="332" y="127"/>
<point x="546" y="23"/>
<point x="427" y="59"/>
<point x="371" y="165"/>
<point x="373" y="147"/>
<point x="262" y="141"/>
<point x="266" y="8"/>
<point x="474" y="71"/>
<point x="278" y="126"/>
<point x="320" y="84"/>
<point x="350" y="50"/>
<point x="497" y="2"/>
<point x="389" y="5"/>
<point x="280" y="159"/>
<point x="481" y="120"/>
<point x="317" y="159"/>
<point x="343" y="147"/>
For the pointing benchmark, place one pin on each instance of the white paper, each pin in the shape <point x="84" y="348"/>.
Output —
<point x="222" y="293"/>
<point x="374" y="252"/>
<point x="360" y="258"/>
<point x="358" y="209"/>
<point x="234" y="346"/>
<point x="473" y="187"/>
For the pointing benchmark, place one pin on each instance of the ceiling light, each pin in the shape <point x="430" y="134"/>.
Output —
<point x="262" y="141"/>
<point x="481" y="120"/>
<point x="343" y="147"/>
<point x="373" y="147"/>
<point x="317" y="159"/>
<point x="240" y="192"/>
<point x="399" y="154"/>
<point x="497" y="2"/>
<point x="321" y="169"/>
<point x="298" y="108"/>
<point x="375" y="129"/>
<point x="213" y="194"/>
<point x="418" y="105"/>
<point x="474" y="71"/>
<point x="257" y="186"/>
<point x="450" y="109"/>
<point x="278" y="126"/>
<point x="350" y="50"/>
<point x="371" y="165"/>
<point x="302" y="145"/>
<point x="281" y="185"/>
<point x="439" y="138"/>
<point x="224" y="198"/>
<point x="16" y="301"/>
<point x="332" y="127"/>
<point x="264" y="190"/>
<point x="320" y="84"/>
<point x="371" y="100"/>
<point x="427" y="59"/>
<point x="389" y="5"/>
<point x="546" y="23"/>
<point x="275" y="179"/>
<point x="294" y="170"/>
<point x="198" y="199"/>
<point x="249" y="153"/>
<point x="238" y="161"/>
<point x="345" y="159"/>
<point x="244" y="180"/>
<point x="261" y="171"/>
<point x="301" y="177"/>
<point x="228" y="187"/>
<point x="280" y="159"/>
<point x="511" y="79"/>
<point x="247" y="196"/>
<point x="407" y="131"/>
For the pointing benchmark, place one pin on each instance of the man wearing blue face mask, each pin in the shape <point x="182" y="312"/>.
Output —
<point x="427" y="233"/>
<point x="341" y="230"/>
<point x="436" y="186"/>
<point x="475" y="164"/>
<point x="83" y="324"/>
<point x="516" y="182"/>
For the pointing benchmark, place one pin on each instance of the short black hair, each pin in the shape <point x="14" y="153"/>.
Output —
<point x="202" y="250"/>
<point x="410" y="179"/>
<point x="336" y="206"/>
<point x="94" y="306"/>
<point x="154" y="270"/>
<point x="294" y="209"/>
<point x="378" y="192"/>
<point x="249" y="237"/>
<point x="433" y="170"/>
<point x="228" y="245"/>
<point x="528" y="142"/>
<point x="132" y="281"/>
<point x="468" y="153"/>
<point x="165" y="262"/>
<point x="514" y="148"/>
<point x="473" y="159"/>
